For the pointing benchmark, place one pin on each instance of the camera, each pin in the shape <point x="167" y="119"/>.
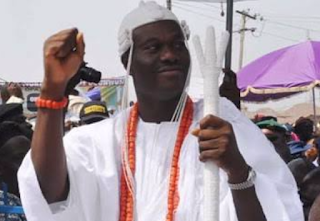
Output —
<point x="89" y="74"/>
<point x="84" y="73"/>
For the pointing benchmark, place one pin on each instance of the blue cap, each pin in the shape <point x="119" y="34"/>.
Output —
<point x="298" y="147"/>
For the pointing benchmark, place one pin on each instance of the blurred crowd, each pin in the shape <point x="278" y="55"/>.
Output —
<point x="16" y="136"/>
<point x="298" y="145"/>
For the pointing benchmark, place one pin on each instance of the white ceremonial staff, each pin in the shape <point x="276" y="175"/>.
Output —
<point x="211" y="66"/>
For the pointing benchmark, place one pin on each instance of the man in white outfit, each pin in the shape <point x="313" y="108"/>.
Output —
<point x="142" y="165"/>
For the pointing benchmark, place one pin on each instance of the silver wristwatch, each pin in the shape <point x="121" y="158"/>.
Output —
<point x="246" y="184"/>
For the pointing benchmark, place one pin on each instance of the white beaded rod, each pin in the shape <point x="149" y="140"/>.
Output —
<point x="211" y="66"/>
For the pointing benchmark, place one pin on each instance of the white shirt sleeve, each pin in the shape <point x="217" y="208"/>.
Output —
<point x="35" y="206"/>
<point x="275" y="185"/>
<point x="85" y="164"/>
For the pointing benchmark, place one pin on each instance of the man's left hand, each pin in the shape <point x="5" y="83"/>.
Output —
<point x="217" y="142"/>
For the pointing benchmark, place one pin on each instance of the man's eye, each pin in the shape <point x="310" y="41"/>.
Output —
<point x="152" y="47"/>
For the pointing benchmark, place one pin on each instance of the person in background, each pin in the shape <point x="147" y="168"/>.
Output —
<point x="304" y="128"/>
<point x="13" y="125"/>
<point x="317" y="145"/>
<point x="291" y="136"/>
<point x="94" y="94"/>
<point x="72" y="112"/>
<point x="5" y="95"/>
<point x="307" y="176"/>
<point x="12" y="93"/>
<point x="306" y="145"/>
<point x="11" y="115"/>
<point x="92" y="112"/>
<point x="314" y="214"/>
<point x="277" y="135"/>
<point x="312" y="153"/>
<point x="76" y="101"/>
<point x="298" y="149"/>
<point x="15" y="141"/>
<point x="12" y="153"/>
<point x="300" y="167"/>
<point x="309" y="190"/>
<point x="229" y="88"/>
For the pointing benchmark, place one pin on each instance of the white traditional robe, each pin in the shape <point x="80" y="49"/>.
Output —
<point x="94" y="157"/>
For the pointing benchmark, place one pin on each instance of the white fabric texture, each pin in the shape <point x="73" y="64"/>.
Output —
<point x="93" y="156"/>
<point x="146" y="13"/>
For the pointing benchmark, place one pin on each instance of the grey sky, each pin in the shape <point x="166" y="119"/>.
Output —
<point x="26" y="24"/>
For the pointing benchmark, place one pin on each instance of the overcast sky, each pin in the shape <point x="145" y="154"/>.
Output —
<point x="26" y="24"/>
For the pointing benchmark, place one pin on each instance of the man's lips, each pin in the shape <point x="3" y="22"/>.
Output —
<point x="171" y="71"/>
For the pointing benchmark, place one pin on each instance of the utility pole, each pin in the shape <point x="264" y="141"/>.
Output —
<point x="244" y="15"/>
<point x="308" y="35"/>
<point x="169" y="5"/>
<point x="314" y="105"/>
<point x="229" y="23"/>
<point x="229" y="88"/>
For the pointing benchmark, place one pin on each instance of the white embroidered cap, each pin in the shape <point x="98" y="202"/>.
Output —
<point x="147" y="12"/>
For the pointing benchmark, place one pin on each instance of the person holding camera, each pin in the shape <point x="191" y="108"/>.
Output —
<point x="144" y="164"/>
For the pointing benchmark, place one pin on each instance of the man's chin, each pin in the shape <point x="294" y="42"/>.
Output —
<point x="170" y="94"/>
<point x="167" y="93"/>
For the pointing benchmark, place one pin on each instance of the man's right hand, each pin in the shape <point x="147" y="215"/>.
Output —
<point x="63" y="54"/>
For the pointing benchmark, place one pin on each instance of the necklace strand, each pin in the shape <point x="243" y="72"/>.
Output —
<point x="126" y="198"/>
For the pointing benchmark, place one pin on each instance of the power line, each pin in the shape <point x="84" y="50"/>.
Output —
<point x="197" y="13"/>
<point x="210" y="5"/>
<point x="201" y="14"/>
<point x="193" y="6"/>
<point x="278" y="36"/>
<point x="291" y="16"/>
<point x="221" y="9"/>
<point x="261" y="32"/>
<point x="271" y="34"/>
<point x="202" y="3"/>
<point x="3" y="80"/>
<point x="291" y="26"/>
<point x="293" y="20"/>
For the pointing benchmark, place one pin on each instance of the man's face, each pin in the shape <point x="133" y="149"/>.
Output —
<point x="160" y="60"/>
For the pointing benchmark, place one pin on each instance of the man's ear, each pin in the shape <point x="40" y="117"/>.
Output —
<point x="125" y="58"/>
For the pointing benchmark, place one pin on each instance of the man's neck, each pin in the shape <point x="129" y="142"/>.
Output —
<point x="157" y="111"/>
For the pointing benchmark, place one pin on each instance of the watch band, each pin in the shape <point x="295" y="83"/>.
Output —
<point x="246" y="184"/>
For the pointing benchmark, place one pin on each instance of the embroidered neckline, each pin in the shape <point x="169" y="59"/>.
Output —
<point x="126" y="198"/>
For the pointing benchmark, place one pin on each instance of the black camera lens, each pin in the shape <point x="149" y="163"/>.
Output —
<point x="84" y="73"/>
<point x="90" y="74"/>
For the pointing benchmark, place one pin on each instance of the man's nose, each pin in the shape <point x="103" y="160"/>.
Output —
<point x="168" y="54"/>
